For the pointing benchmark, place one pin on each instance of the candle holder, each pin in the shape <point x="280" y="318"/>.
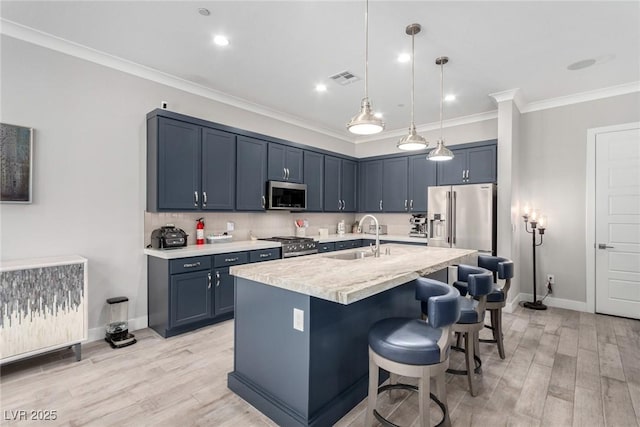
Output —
<point x="535" y="304"/>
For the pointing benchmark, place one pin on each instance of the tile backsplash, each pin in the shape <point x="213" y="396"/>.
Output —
<point x="265" y="224"/>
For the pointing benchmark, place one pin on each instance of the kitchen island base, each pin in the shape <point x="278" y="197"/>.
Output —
<point x="315" y="374"/>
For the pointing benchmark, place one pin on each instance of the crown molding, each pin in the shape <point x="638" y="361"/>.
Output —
<point x="577" y="98"/>
<point x="514" y="95"/>
<point x="458" y="121"/>
<point x="49" y="41"/>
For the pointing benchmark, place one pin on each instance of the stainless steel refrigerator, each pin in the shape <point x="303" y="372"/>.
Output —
<point x="463" y="216"/>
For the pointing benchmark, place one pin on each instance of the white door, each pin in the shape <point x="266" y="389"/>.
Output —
<point x="618" y="223"/>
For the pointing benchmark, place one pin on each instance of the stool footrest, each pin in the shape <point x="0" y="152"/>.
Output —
<point x="489" y="327"/>
<point x="433" y="397"/>
<point x="488" y="341"/>
<point x="477" y="360"/>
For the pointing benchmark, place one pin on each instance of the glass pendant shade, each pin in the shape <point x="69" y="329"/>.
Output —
<point x="412" y="141"/>
<point x="440" y="153"/>
<point x="365" y="123"/>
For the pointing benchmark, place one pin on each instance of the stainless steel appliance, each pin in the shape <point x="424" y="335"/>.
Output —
<point x="418" y="225"/>
<point x="382" y="229"/>
<point x="463" y="216"/>
<point x="286" y="196"/>
<point x="295" y="246"/>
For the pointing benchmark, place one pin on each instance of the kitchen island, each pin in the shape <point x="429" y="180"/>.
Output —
<point x="301" y="324"/>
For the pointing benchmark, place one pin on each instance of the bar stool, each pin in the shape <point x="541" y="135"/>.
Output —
<point x="415" y="348"/>
<point x="479" y="283"/>
<point x="497" y="298"/>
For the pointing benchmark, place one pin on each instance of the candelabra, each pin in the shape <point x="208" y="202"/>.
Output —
<point x="539" y="225"/>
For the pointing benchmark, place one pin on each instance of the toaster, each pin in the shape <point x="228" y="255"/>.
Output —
<point x="168" y="237"/>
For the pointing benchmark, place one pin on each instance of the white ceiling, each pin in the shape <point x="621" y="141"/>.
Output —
<point x="280" y="49"/>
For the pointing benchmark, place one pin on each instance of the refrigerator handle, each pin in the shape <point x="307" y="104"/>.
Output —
<point x="454" y="218"/>
<point x="448" y="217"/>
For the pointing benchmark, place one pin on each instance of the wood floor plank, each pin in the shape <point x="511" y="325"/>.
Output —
<point x="618" y="410"/>
<point x="587" y="408"/>
<point x="546" y="351"/>
<point x="534" y="391"/>
<point x="563" y="377"/>
<point x="604" y="329"/>
<point x="588" y="338"/>
<point x="568" y="344"/>
<point x="610" y="361"/>
<point x="557" y="412"/>
<point x="588" y="370"/>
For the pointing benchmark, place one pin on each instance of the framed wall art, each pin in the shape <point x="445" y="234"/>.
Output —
<point x="16" y="163"/>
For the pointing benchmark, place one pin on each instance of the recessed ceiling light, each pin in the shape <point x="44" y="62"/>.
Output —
<point x="204" y="11"/>
<point x="581" y="64"/>
<point x="450" y="97"/>
<point x="404" y="57"/>
<point x="378" y="115"/>
<point x="321" y="87"/>
<point x="221" y="40"/>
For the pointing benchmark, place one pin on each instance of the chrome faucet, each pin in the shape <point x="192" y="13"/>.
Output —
<point x="375" y="249"/>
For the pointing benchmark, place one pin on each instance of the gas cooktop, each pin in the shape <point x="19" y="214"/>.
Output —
<point x="295" y="246"/>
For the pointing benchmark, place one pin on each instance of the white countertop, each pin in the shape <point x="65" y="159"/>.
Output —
<point x="250" y="245"/>
<point x="211" y="249"/>
<point x="25" y="264"/>
<point x="348" y="281"/>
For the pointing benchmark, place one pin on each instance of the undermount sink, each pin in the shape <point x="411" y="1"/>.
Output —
<point x="351" y="255"/>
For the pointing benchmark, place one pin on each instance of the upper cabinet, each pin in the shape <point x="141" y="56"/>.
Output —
<point x="314" y="178"/>
<point x="285" y="163"/>
<point x="371" y="186"/>
<point x="189" y="167"/>
<point x="251" y="174"/>
<point x="422" y="175"/>
<point x="394" y="186"/>
<point x="472" y="165"/>
<point x="339" y="184"/>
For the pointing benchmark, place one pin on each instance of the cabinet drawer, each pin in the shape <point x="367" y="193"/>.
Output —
<point x="264" y="255"/>
<point x="184" y="265"/>
<point x="326" y="247"/>
<point x="235" y="258"/>
<point x="348" y="244"/>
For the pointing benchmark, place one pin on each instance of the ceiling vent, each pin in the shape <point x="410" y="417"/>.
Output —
<point x="344" y="78"/>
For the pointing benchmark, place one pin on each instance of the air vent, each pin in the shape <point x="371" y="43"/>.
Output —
<point x="344" y="78"/>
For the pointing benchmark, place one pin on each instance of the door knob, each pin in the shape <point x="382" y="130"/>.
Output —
<point x="604" y="246"/>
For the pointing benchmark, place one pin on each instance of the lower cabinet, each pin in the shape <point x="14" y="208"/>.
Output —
<point x="348" y="244"/>
<point x="188" y="293"/>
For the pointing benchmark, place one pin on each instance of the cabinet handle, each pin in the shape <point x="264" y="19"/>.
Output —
<point x="339" y="204"/>
<point x="195" y="198"/>
<point x="209" y="277"/>
<point x="265" y="255"/>
<point x="217" y="278"/>
<point x="288" y="174"/>
<point x="380" y="204"/>
<point x="411" y="204"/>
<point x="343" y="205"/>
<point x="231" y="259"/>
<point x="405" y="204"/>
<point x="195" y="264"/>
<point x="264" y="202"/>
<point x="204" y="199"/>
<point x="284" y="174"/>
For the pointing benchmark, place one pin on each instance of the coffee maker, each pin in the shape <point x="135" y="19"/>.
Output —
<point x="117" y="334"/>
<point x="418" y="225"/>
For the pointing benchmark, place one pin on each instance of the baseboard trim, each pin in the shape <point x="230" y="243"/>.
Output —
<point x="97" y="334"/>
<point x="550" y="301"/>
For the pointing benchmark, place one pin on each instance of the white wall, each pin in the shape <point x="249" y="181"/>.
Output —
<point x="89" y="163"/>
<point x="553" y="179"/>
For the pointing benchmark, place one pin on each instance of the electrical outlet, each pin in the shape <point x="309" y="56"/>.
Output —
<point x="551" y="279"/>
<point x="298" y="319"/>
<point x="231" y="226"/>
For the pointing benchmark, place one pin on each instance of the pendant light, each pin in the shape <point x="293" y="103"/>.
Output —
<point x="365" y="123"/>
<point x="412" y="141"/>
<point x="441" y="152"/>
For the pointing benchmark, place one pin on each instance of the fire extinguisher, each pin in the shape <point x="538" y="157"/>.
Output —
<point x="200" y="231"/>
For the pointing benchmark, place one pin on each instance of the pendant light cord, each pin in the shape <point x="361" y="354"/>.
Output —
<point x="366" y="50"/>
<point x="413" y="78"/>
<point x="441" y="94"/>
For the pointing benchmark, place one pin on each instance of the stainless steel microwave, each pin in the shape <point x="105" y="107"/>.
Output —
<point x="286" y="196"/>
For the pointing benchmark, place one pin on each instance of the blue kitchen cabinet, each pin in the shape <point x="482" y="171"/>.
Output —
<point x="340" y="184"/>
<point x="190" y="298"/>
<point x="173" y="165"/>
<point x="251" y="174"/>
<point x="223" y="291"/>
<point x="472" y="165"/>
<point x="189" y="167"/>
<point x="285" y="163"/>
<point x="314" y="178"/>
<point x="371" y="182"/>
<point x="395" y="173"/>
<point x="348" y="175"/>
<point x="326" y="247"/>
<point x="218" y="170"/>
<point x="422" y="175"/>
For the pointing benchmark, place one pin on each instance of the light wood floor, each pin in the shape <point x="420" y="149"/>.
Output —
<point x="563" y="368"/>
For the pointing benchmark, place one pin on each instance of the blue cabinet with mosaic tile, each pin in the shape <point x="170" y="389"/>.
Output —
<point x="44" y="306"/>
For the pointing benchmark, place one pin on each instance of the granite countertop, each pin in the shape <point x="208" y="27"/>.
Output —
<point x="348" y="281"/>
<point x="250" y="245"/>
